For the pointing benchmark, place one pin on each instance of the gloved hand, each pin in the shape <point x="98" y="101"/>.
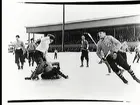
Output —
<point x="103" y="60"/>
<point x="114" y="55"/>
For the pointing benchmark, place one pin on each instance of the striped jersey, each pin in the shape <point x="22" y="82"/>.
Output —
<point x="137" y="49"/>
<point x="108" y="44"/>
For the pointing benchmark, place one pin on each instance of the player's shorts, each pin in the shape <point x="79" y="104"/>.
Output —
<point x="19" y="56"/>
<point x="84" y="53"/>
<point x="38" y="55"/>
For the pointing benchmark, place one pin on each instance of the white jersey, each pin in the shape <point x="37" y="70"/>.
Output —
<point x="44" y="45"/>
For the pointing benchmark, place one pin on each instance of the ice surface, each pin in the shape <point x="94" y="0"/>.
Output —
<point x="83" y="83"/>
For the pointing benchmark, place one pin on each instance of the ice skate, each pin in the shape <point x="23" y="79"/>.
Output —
<point x="122" y="78"/>
<point x="133" y="76"/>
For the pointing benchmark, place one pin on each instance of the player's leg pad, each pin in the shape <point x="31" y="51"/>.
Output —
<point x="40" y="67"/>
<point x="27" y="78"/>
<point x="34" y="76"/>
<point x="133" y="76"/>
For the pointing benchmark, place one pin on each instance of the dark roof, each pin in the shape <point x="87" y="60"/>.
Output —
<point x="88" y="23"/>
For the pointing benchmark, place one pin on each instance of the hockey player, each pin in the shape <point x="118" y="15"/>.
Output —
<point x="124" y="48"/>
<point x="55" y="54"/>
<point x="137" y="52"/>
<point x="84" y="50"/>
<point x="30" y="52"/>
<point x="44" y="67"/>
<point x="111" y="48"/>
<point x="19" y="50"/>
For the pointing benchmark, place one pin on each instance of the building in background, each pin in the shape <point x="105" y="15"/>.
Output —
<point x="125" y="28"/>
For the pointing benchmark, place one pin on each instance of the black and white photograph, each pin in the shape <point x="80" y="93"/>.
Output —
<point x="70" y="52"/>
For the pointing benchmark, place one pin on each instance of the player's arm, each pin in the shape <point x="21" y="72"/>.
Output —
<point x="44" y="39"/>
<point x="87" y="45"/>
<point x="23" y="47"/>
<point x="81" y="47"/>
<point x="27" y="51"/>
<point x="44" y="54"/>
<point x="34" y="46"/>
<point x="128" y="49"/>
<point x="116" y="42"/>
<point x="98" y="52"/>
<point x="14" y="48"/>
<point x="27" y="47"/>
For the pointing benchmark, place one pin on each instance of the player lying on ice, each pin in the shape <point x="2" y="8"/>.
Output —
<point x="48" y="70"/>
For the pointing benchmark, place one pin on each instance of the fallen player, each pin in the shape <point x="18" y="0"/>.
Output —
<point x="50" y="71"/>
<point x="44" y="67"/>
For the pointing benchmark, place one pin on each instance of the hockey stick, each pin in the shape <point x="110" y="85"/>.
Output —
<point x="107" y="64"/>
<point x="91" y="38"/>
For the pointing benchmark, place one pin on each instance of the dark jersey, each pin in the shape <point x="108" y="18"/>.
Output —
<point x="84" y="44"/>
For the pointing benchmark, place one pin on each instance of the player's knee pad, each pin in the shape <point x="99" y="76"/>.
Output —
<point x="34" y="75"/>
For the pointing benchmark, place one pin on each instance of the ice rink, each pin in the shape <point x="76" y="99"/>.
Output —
<point x="83" y="83"/>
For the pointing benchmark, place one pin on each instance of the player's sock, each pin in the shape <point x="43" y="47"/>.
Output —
<point x="34" y="74"/>
<point x="35" y="77"/>
<point x="87" y="64"/>
<point x="21" y="66"/>
<point x="133" y="76"/>
<point x="18" y="66"/>
<point x="33" y="64"/>
<point x="122" y="78"/>
<point x="138" y="60"/>
<point x="81" y="63"/>
<point x="134" y="58"/>
<point x="87" y="59"/>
